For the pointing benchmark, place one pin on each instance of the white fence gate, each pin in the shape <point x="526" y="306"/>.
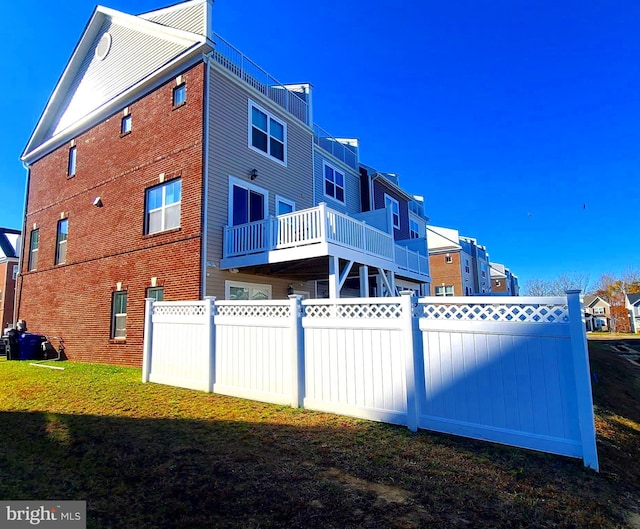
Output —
<point x="512" y="370"/>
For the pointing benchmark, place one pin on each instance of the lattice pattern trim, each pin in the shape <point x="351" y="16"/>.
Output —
<point x="179" y="310"/>
<point x="489" y="312"/>
<point x="384" y="311"/>
<point x="255" y="311"/>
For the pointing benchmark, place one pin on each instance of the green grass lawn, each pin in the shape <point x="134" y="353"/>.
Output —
<point x="151" y="456"/>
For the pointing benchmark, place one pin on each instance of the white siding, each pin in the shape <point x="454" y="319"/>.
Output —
<point x="352" y="184"/>
<point x="191" y="18"/>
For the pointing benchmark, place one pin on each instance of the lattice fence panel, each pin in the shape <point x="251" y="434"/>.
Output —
<point x="375" y="311"/>
<point x="255" y="311"/>
<point x="179" y="310"/>
<point x="537" y="313"/>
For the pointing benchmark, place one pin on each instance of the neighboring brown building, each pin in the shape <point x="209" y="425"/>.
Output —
<point x="9" y="257"/>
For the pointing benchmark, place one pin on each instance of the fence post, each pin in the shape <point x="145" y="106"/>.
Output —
<point x="407" y="300"/>
<point x="582" y="373"/>
<point x="210" y="314"/>
<point x="297" y="351"/>
<point x="147" y="347"/>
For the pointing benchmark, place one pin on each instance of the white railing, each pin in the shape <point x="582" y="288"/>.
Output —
<point x="339" y="149"/>
<point x="317" y="225"/>
<point x="244" y="68"/>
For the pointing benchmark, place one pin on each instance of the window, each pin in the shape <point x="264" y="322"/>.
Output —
<point x="394" y="206"/>
<point x="448" y="259"/>
<point x="598" y="310"/>
<point x="247" y="202"/>
<point x="466" y="266"/>
<point x="284" y="206"/>
<point x="163" y="206"/>
<point x="61" y="241"/>
<point x="248" y="291"/>
<point x="333" y="183"/>
<point x="444" y="290"/>
<point x="34" y="242"/>
<point x="125" y="125"/>
<point x="157" y="293"/>
<point x="119" y="315"/>
<point x="414" y="229"/>
<point x="179" y="95"/>
<point x="267" y="134"/>
<point x="15" y="272"/>
<point x="71" y="165"/>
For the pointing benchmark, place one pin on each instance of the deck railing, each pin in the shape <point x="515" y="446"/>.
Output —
<point x="316" y="225"/>
<point x="339" y="149"/>
<point x="241" y="66"/>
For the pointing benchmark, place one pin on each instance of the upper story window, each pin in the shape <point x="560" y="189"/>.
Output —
<point x="284" y="205"/>
<point x="448" y="259"/>
<point x="333" y="183"/>
<point x="267" y="134"/>
<point x="156" y="293"/>
<point x="14" y="276"/>
<point x="61" y="241"/>
<point x="394" y="205"/>
<point x="466" y="266"/>
<point x="125" y="125"/>
<point x="71" y="164"/>
<point x="34" y="242"/>
<point x="444" y="290"/>
<point x="180" y="95"/>
<point x="414" y="229"/>
<point x="598" y="310"/>
<point x="163" y="206"/>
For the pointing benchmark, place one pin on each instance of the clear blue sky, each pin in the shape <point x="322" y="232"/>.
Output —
<point x="509" y="116"/>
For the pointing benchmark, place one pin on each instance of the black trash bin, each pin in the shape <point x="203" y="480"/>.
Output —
<point x="11" y="345"/>
<point x="30" y="346"/>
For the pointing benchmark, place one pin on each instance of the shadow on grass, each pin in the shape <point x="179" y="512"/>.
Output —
<point x="169" y="473"/>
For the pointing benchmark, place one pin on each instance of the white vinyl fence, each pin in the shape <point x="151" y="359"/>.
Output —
<point x="512" y="370"/>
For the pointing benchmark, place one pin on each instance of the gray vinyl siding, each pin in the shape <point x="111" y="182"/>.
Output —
<point x="229" y="154"/>
<point x="352" y="184"/>
<point x="133" y="56"/>
<point x="379" y="191"/>
<point x="191" y="19"/>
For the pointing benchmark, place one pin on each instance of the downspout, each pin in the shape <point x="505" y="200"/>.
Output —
<point x="17" y="299"/>
<point x="205" y="185"/>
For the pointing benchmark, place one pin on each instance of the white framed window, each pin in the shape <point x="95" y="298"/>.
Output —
<point x="284" y="205"/>
<point x="179" y="95"/>
<point x="15" y="272"/>
<point x="157" y="293"/>
<point x="125" y="125"/>
<point x="466" y="266"/>
<point x="598" y="310"/>
<point x="239" y="290"/>
<point x="247" y="202"/>
<point x="61" y="241"/>
<point x="414" y="229"/>
<point x="34" y="243"/>
<point x="267" y="133"/>
<point x="119" y="315"/>
<point x="71" y="164"/>
<point x="448" y="259"/>
<point x="392" y="204"/>
<point x="444" y="290"/>
<point x="334" y="183"/>
<point x="163" y="206"/>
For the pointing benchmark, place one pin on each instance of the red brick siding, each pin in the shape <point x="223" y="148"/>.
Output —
<point x="107" y="245"/>
<point x="447" y="273"/>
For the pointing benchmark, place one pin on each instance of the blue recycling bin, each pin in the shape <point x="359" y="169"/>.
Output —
<point x="30" y="346"/>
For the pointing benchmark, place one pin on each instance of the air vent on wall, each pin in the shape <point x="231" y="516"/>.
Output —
<point x="103" y="47"/>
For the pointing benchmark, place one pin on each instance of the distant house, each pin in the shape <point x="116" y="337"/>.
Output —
<point x="632" y="303"/>
<point x="9" y="257"/>
<point x="503" y="281"/>
<point x="597" y="313"/>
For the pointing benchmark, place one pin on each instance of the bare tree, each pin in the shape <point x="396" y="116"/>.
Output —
<point x="558" y="285"/>
<point x="537" y="287"/>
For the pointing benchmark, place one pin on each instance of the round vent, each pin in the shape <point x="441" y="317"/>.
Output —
<point x="103" y="47"/>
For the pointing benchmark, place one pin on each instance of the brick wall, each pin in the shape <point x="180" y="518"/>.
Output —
<point x="107" y="245"/>
<point x="447" y="273"/>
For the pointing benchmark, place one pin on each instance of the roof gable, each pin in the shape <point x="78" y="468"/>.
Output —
<point x="116" y="52"/>
<point x="9" y="243"/>
<point x="189" y="16"/>
<point x="633" y="298"/>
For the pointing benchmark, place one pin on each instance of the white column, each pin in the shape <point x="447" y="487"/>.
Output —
<point x="210" y="314"/>
<point x="407" y="301"/>
<point x="582" y="375"/>
<point x="297" y="352"/>
<point x="147" y="347"/>
<point x="364" y="281"/>
<point x="334" y="279"/>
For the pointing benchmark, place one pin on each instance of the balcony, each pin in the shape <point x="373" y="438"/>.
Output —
<point x="317" y="232"/>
